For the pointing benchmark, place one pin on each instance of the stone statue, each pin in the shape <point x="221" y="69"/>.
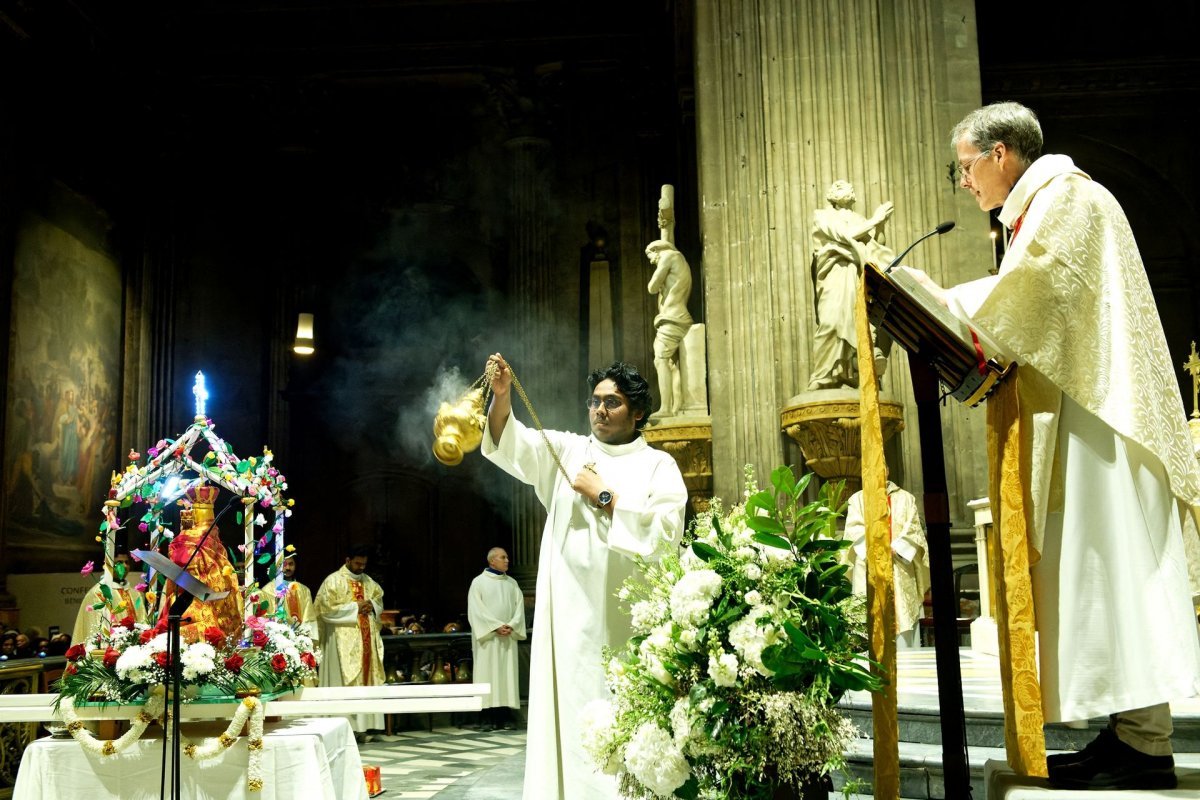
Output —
<point x="672" y="282"/>
<point x="842" y="242"/>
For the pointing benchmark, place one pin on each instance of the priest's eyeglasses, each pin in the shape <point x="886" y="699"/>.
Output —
<point x="610" y="403"/>
<point x="969" y="164"/>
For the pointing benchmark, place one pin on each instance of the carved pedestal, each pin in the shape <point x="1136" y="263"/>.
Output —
<point x="825" y="424"/>
<point x="689" y="441"/>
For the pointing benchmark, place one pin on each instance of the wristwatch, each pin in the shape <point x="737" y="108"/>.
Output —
<point x="604" y="498"/>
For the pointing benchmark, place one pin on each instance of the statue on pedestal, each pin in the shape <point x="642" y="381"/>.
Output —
<point x="672" y="282"/>
<point x="843" y="240"/>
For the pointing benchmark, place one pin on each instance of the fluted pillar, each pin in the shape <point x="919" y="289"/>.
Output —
<point x="790" y="97"/>
<point x="531" y="300"/>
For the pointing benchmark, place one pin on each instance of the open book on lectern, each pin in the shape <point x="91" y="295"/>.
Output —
<point x="966" y="362"/>
<point x="181" y="577"/>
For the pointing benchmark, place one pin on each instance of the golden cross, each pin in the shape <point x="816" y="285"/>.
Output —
<point x="1192" y="367"/>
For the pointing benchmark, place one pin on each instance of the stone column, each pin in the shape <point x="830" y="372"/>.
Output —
<point x="530" y="298"/>
<point x="790" y="97"/>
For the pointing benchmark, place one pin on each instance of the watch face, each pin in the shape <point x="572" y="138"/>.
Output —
<point x="605" y="497"/>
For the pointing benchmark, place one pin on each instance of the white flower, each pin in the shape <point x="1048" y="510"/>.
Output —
<point x="657" y="670"/>
<point x="133" y="663"/>
<point x="598" y="729"/>
<point x="753" y="597"/>
<point x="653" y="758"/>
<point x="749" y="639"/>
<point x="681" y="720"/>
<point x="645" y="614"/>
<point x="687" y="638"/>
<point x="693" y="595"/>
<point x="752" y="571"/>
<point x="723" y="669"/>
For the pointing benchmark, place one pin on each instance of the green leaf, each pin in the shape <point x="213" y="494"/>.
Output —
<point x="690" y="789"/>
<point x="243" y="467"/>
<point x="705" y="551"/>
<point x="264" y="558"/>
<point x="807" y="647"/>
<point x="771" y="540"/>
<point x="238" y="517"/>
<point x="762" y="500"/>
<point x="783" y="480"/>
<point x="209" y="457"/>
<point x="802" y="484"/>
<point x="698" y="692"/>
<point x="764" y="524"/>
<point x="104" y="526"/>
<point x="107" y="592"/>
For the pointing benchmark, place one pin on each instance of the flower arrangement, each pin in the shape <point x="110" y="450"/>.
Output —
<point x="743" y="643"/>
<point x="133" y="658"/>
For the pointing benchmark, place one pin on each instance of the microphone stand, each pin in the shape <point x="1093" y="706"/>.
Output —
<point x="171" y="681"/>
<point x="938" y="231"/>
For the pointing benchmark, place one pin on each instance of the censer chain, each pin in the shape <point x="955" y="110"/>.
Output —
<point x="486" y="381"/>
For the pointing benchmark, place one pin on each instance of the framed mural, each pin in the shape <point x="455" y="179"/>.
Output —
<point x="62" y="398"/>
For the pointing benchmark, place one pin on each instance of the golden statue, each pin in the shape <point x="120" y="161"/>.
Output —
<point x="210" y="565"/>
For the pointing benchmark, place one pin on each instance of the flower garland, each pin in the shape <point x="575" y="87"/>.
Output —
<point x="110" y="747"/>
<point x="251" y="709"/>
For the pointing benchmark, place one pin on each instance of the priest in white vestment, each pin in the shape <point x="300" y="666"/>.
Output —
<point x="496" y="611"/>
<point x="348" y="605"/>
<point x="910" y="558"/>
<point x="623" y="500"/>
<point x="118" y="600"/>
<point x="1112" y="480"/>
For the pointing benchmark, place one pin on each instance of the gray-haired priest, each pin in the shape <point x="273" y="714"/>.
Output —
<point x="496" y="611"/>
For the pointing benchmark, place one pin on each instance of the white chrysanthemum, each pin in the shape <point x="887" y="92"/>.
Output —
<point x="723" y="669"/>
<point x="749" y="639"/>
<point x="652" y="757"/>
<point x="598" y="729"/>
<point x="131" y="664"/>
<point x="159" y="644"/>
<point x="693" y="595"/>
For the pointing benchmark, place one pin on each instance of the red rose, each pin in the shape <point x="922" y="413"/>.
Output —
<point x="279" y="662"/>
<point x="76" y="652"/>
<point x="127" y="622"/>
<point x="214" y="635"/>
<point x="147" y="635"/>
<point x="110" y="658"/>
<point x="307" y="660"/>
<point x="162" y="659"/>
<point x="70" y="670"/>
<point x="259" y="639"/>
<point x="234" y="663"/>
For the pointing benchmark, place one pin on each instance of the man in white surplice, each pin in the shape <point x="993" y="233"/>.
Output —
<point x="623" y="500"/>
<point x="348" y="606"/>
<point x="1112" y="481"/>
<point x="910" y="558"/>
<point x="496" y="611"/>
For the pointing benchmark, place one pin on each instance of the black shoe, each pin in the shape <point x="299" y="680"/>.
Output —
<point x="1117" y="766"/>
<point x="1096" y="747"/>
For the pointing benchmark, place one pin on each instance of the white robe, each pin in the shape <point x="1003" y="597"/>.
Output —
<point x="585" y="557"/>
<point x="1111" y="463"/>
<point x="341" y="643"/>
<point x="494" y="600"/>
<point x="90" y="621"/>
<point x="910" y="554"/>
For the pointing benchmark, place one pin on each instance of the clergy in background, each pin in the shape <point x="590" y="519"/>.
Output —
<point x="496" y="611"/>
<point x="99" y="608"/>
<point x="623" y="500"/>
<point x="910" y="558"/>
<point x="1106" y="459"/>
<point x="297" y="598"/>
<point x="348" y="606"/>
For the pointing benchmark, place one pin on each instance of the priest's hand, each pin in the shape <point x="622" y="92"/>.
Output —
<point x="366" y="607"/>
<point x="504" y="630"/>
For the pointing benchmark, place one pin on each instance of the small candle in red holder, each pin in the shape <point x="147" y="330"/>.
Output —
<point x="374" y="782"/>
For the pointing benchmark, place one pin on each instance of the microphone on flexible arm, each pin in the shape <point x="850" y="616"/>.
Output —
<point x="939" y="230"/>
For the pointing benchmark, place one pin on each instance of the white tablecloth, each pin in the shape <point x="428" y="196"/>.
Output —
<point x="309" y="758"/>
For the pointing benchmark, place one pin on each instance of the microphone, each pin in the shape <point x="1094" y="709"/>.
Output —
<point x="938" y="231"/>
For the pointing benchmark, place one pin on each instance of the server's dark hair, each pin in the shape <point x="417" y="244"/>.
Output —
<point x="632" y="385"/>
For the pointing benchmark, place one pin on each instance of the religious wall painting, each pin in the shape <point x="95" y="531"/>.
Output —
<point x="62" y="399"/>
